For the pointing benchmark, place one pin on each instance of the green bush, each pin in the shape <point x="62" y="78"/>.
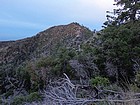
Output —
<point x="22" y="74"/>
<point x="99" y="81"/>
<point x="134" y="88"/>
<point x="119" y="46"/>
<point x="35" y="96"/>
<point x="61" y="62"/>
<point x="137" y="80"/>
<point x="44" y="62"/>
<point x="1" y="101"/>
<point x="18" y="100"/>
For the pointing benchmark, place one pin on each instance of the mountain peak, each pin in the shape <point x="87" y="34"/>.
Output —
<point x="72" y="29"/>
<point x="43" y="44"/>
<point x="74" y="23"/>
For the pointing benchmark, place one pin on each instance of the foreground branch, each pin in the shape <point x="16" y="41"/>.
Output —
<point x="63" y="92"/>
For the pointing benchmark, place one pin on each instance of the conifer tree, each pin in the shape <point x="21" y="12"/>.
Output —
<point x="130" y="9"/>
<point x="120" y="39"/>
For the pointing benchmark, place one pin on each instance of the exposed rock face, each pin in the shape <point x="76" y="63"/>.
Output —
<point x="15" y="53"/>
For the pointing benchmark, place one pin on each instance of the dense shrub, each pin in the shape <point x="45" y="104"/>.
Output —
<point x="61" y="62"/>
<point x="35" y="96"/>
<point x="119" y="46"/>
<point x="32" y="97"/>
<point x="18" y="100"/>
<point x="99" y="81"/>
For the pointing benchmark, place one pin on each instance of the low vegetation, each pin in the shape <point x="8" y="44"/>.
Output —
<point x="76" y="66"/>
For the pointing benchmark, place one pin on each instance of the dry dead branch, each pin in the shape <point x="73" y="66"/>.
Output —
<point x="63" y="92"/>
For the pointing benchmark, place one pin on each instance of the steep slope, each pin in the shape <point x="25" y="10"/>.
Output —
<point x="15" y="53"/>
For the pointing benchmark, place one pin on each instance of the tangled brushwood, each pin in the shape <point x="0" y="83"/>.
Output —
<point x="64" y="92"/>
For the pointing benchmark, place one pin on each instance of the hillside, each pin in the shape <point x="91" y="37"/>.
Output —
<point x="69" y="62"/>
<point x="15" y="53"/>
<point x="22" y="61"/>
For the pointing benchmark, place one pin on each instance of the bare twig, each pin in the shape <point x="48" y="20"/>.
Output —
<point x="63" y="92"/>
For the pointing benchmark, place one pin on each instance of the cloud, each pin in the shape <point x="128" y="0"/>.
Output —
<point x="39" y="14"/>
<point x="39" y="10"/>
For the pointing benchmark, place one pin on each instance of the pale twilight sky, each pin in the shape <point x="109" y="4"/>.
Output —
<point x="25" y="18"/>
